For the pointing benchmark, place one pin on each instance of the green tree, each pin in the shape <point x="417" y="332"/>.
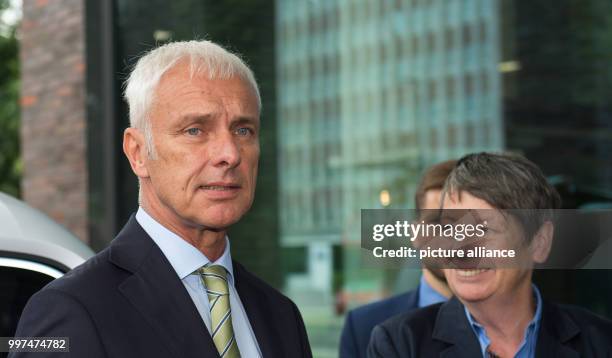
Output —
<point x="10" y="162"/>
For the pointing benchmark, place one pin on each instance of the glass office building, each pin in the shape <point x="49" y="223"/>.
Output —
<point x="369" y="94"/>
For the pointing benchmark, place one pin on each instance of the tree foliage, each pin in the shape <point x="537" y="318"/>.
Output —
<point x="10" y="162"/>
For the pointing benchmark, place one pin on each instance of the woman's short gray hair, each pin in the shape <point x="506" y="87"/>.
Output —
<point x="205" y="57"/>
<point x="509" y="182"/>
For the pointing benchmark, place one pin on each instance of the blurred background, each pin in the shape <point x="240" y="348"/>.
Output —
<point x="359" y="97"/>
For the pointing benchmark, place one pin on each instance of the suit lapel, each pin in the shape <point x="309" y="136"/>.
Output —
<point x="157" y="293"/>
<point x="412" y="300"/>
<point x="453" y="328"/>
<point x="556" y="328"/>
<point x="261" y="315"/>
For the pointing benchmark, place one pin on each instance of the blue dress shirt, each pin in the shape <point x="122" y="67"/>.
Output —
<point x="186" y="259"/>
<point x="427" y="295"/>
<point x="527" y="348"/>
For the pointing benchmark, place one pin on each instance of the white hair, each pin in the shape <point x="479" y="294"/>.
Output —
<point x="205" y="57"/>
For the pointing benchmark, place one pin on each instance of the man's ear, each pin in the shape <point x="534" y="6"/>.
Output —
<point x="542" y="242"/>
<point x="135" y="149"/>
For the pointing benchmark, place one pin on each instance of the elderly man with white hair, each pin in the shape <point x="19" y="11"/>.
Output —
<point x="167" y="285"/>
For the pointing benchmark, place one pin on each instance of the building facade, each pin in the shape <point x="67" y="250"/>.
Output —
<point x="370" y="94"/>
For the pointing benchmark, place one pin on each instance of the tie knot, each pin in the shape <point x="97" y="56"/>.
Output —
<point x="214" y="270"/>
<point x="215" y="279"/>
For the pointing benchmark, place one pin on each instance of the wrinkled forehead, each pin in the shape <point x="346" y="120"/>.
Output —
<point x="188" y="71"/>
<point x="178" y="87"/>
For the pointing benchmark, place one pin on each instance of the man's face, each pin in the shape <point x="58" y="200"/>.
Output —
<point x="205" y="133"/>
<point x="475" y="285"/>
<point x="431" y="199"/>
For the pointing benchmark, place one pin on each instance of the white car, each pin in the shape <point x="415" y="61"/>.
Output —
<point x="34" y="250"/>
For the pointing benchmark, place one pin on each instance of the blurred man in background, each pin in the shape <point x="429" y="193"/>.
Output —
<point x="432" y="287"/>
<point x="498" y="312"/>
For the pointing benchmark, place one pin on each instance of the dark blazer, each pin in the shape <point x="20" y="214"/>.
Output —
<point x="361" y="320"/>
<point x="127" y="301"/>
<point x="442" y="330"/>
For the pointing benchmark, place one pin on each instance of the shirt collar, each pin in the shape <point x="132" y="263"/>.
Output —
<point x="530" y="332"/>
<point x="536" y="317"/>
<point x="538" y="313"/>
<point x="184" y="257"/>
<point x="427" y="295"/>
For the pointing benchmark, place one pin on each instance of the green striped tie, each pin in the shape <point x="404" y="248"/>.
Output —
<point x="214" y="278"/>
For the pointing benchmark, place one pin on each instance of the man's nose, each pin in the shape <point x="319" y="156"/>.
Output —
<point x="226" y="151"/>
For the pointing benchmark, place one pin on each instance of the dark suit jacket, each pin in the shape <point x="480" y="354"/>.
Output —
<point x="127" y="301"/>
<point x="442" y="330"/>
<point x="360" y="321"/>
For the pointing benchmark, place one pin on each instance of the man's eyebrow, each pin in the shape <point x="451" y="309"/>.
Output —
<point x="194" y="118"/>
<point x="245" y="120"/>
<point x="204" y="118"/>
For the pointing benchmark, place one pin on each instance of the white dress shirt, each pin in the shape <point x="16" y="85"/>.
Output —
<point x="186" y="259"/>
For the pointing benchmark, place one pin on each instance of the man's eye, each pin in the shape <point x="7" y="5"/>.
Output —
<point x="193" y="131"/>
<point x="244" y="131"/>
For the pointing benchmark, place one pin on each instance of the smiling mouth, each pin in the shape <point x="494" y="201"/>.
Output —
<point x="471" y="272"/>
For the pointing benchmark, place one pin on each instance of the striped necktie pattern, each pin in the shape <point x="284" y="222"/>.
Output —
<point x="214" y="278"/>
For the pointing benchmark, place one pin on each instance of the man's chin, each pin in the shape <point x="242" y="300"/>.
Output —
<point x="218" y="222"/>
<point x="218" y="216"/>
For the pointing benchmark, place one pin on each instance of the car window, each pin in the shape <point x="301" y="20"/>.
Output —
<point x="17" y="285"/>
